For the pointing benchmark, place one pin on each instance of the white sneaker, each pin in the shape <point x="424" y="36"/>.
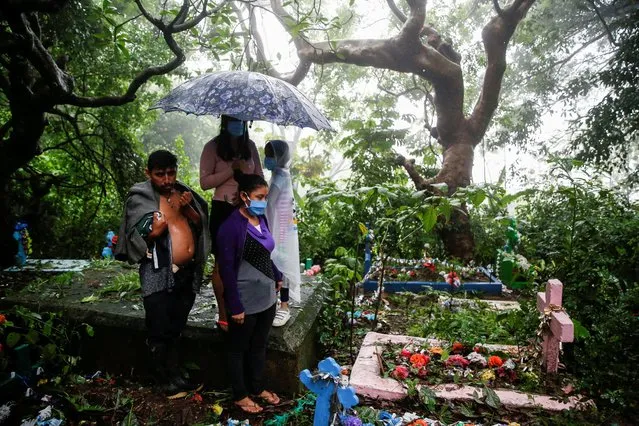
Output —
<point x="281" y="317"/>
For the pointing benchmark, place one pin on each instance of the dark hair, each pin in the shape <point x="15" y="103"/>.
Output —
<point x="248" y="183"/>
<point x="223" y="142"/>
<point x="161" y="159"/>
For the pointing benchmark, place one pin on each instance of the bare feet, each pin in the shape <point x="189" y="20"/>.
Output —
<point x="248" y="405"/>
<point x="269" y="397"/>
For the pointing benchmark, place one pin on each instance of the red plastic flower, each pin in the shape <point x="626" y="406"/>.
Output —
<point x="3" y="319"/>
<point x="422" y="372"/>
<point x="419" y="360"/>
<point x="453" y="279"/>
<point x="197" y="397"/>
<point x="400" y="372"/>
<point x="458" y="347"/>
<point x="430" y="265"/>
<point x="114" y="240"/>
<point x="495" y="361"/>
<point x="405" y="353"/>
<point x="457" y="360"/>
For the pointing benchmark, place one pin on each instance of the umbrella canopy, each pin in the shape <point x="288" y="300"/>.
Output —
<point x="246" y="96"/>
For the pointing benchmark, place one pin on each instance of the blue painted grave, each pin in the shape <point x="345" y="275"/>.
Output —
<point x="493" y="285"/>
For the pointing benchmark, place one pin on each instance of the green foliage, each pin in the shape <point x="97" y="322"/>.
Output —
<point x="123" y="286"/>
<point x="611" y="134"/>
<point x="587" y="235"/>
<point x="48" y="339"/>
<point x="472" y="322"/>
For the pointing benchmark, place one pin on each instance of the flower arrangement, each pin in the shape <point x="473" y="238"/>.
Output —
<point x="314" y="270"/>
<point x="430" y="269"/>
<point x="457" y="362"/>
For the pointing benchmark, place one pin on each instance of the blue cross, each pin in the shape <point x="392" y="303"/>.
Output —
<point x="324" y="385"/>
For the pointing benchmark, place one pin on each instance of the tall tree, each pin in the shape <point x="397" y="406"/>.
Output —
<point x="420" y="50"/>
<point x="40" y="87"/>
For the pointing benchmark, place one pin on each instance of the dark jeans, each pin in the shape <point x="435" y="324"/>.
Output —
<point x="246" y="355"/>
<point x="167" y="311"/>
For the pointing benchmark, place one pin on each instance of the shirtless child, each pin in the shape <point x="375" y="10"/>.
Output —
<point x="162" y="230"/>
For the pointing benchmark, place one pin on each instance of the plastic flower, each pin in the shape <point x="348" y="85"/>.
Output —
<point x="405" y="353"/>
<point x="457" y="360"/>
<point x="419" y="360"/>
<point x="430" y="265"/>
<point x="436" y="351"/>
<point x="350" y="421"/>
<point x="479" y="348"/>
<point x="197" y="397"/>
<point x="452" y="279"/>
<point x="412" y="273"/>
<point x="477" y="358"/>
<point x="3" y="319"/>
<point x="423" y="372"/>
<point x="400" y="372"/>
<point x="420" y="422"/>
<point x="217" y="409"/>
<point x="316" y="269"/>
<point x="487" y="376"/>
<point x="510" y="364"/>
<point x="458" y="347"/>
<point x="495" y="361"/>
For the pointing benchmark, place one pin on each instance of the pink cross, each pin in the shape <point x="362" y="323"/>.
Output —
<point x="561" y="327"/>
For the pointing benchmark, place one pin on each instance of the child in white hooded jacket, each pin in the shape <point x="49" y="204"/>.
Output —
<point x="280" y="213"/>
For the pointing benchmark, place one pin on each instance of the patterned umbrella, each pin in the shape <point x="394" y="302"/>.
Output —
<point x="246" y="96"/>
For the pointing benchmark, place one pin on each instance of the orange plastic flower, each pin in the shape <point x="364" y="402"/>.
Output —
<point x="419" y="360"/>
<point x="458" y="347"/>
<point x="3" y="319"/>
<point x="197" y="397"/>
<point x="495" y="361"/>
<point x="436" y="350"/>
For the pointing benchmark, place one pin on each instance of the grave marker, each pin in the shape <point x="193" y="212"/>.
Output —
<point x="327" y="382"/>
<point x="561" y="327"/>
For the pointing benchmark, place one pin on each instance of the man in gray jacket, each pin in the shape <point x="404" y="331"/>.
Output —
<point x="164" y="229"/>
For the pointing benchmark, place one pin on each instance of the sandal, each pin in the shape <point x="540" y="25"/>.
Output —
<point x="248" y="406"/>
<point x="222" y="325"/>
<point x="269" y="397"/>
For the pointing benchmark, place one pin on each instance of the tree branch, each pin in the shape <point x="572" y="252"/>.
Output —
<point x="409" y="165"/>
<point x="287" y="22"/>
<point x="611" y="38"/>
<point x="495" y="35"/>
<point x="396" y="11"/>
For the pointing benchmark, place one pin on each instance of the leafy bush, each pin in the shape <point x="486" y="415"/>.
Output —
<point x="589" y="237"/>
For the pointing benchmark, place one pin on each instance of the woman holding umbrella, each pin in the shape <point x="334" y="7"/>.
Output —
<point x="229" y="151"/>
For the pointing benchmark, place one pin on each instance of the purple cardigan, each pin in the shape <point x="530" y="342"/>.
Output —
<point x="230" y="242"/>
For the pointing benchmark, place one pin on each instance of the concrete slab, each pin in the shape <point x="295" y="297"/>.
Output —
<point x="118" y="346"/>
<point x="367" y="380"/>
<point x="51" y="265"/>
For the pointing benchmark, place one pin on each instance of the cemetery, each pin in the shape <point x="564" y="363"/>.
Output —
<point x="296" y="213"/>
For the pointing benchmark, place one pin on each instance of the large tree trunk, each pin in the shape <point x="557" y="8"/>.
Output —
<point x="419" y="49"/>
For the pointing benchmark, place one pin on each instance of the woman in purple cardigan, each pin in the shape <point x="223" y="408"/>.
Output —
<point x="251" y="281"/>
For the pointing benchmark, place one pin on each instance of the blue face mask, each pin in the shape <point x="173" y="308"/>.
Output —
<point x="270" y="163"/>
<point x="235" y="128"/>
<point x="257" y="208"/>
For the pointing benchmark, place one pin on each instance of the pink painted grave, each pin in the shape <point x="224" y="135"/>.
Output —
<point x="367" y="380"/>
<point x="561" y="328"/>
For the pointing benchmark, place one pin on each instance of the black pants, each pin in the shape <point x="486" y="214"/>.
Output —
<point x="246" y="355"/>
<point x="167" y="311"/>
